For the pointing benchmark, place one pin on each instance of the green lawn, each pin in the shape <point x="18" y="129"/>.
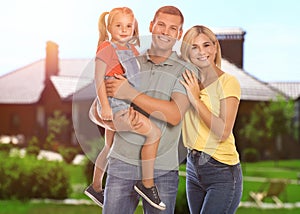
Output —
<point x="17" y="207"/>
<point x="287" y="169"/>
<point x="283" y="169"/>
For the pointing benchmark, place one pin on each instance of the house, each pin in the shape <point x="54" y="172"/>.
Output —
<point x="31" y="94"/>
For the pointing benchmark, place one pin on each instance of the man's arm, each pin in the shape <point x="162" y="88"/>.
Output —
<point x="171" y="111"/>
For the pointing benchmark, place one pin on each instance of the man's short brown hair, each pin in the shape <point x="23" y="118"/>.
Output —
<point x="169" y="10"/>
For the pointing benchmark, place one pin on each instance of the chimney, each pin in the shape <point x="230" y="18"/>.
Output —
<point x="51" y="59"/>
<point x="232" y="45"/>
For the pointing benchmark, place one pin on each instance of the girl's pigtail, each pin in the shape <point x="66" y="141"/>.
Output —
<point x="136" y="33"/>
<point x="103" y="34"/>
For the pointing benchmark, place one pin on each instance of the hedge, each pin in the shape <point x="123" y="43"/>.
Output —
<point x="27" y="177"/>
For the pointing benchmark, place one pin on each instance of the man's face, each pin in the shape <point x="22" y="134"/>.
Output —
<point x="165" y="29"/>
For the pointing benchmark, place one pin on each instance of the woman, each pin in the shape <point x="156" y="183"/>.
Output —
<point x="214" y="176"/>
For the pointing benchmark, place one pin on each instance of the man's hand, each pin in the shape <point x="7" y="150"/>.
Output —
<point x="120" y="88"/>
<point x="127" y="120"/>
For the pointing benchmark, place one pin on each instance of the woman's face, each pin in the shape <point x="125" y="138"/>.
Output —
<point x="203" y="51"/>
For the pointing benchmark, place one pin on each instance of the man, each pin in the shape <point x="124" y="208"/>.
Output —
<point x="161" y="96"/>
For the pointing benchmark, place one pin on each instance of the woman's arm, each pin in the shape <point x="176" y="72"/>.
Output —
<point x="221" y="125"/>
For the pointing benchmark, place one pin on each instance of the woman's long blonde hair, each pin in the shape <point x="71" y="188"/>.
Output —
<point x="189" y="37"/>
<point x="102" y="26"/>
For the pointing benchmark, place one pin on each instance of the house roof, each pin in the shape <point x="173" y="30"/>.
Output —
<point x="292" y="89"/>
<point x="252" y="88"/>
<point x="229" y="33"/>
<point x="78" y="81"/>
<point x="25" y="85"/>
<point x="66" y="86"/>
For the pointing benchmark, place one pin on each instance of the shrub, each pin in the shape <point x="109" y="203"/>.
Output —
<point x="5" y="147"/>
<point x="93" y="148"/>
<point x="89" y="170"/>
<point x="181" y="200"/>
<point x="250" y="155"/>
<point x="25" y="178"/>
<point x="68" y="153"/>
<point x="33" y="146"/>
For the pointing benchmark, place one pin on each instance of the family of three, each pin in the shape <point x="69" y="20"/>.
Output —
<point x="146" y="101"/>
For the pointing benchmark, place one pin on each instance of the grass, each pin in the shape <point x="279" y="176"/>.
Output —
<point x="271" y="169"/>
<point x="17" y="207"/>
<point x="243" y="210"/>
<point x="287" y="169"/>
<point x="291" y="194"/>
<point x="13" y="207"/>
<point x="78" y="181"/>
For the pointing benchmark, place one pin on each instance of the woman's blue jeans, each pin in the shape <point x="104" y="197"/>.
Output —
<point x="212" y="187"/>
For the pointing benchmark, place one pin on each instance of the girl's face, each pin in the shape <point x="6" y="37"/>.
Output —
<point x="121" y="28"/>
<point x="203" y="51"/>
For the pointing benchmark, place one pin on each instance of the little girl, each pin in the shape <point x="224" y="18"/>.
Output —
<point x="117" y="56"/>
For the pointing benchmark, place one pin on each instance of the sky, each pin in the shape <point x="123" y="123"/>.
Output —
<point x="271" y="46"/>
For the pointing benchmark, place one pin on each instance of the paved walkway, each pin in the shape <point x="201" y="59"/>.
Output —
<point x="242" y="204"/>
<point x="270" y="205"/>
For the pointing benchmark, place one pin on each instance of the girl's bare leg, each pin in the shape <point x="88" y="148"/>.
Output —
<point x="148" y="155"/>
<point x="101" y="161"/>
<point x="149" y="149"/>
<point x="142" y="125"/>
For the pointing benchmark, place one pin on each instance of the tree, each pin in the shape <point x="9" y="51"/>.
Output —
<point x="270" y="123"/>
<point x="57" y="125"/>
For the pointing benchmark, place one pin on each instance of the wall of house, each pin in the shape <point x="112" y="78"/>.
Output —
<point x="232" y="49"/>
<point x="52" y="102"/>
<point x="17" y="119"/>
<point x="22" y="118"/>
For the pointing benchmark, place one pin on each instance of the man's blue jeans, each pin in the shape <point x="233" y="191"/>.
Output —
<point x="120" y="196"/>
<point x="212" y="187"/>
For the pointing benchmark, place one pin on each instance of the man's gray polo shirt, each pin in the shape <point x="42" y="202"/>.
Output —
<point x="158" y="81"/>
